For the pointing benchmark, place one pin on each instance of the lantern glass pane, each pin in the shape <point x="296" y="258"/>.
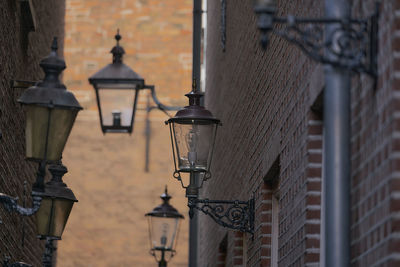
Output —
<point x="194" y="144"/>
<point x="163" y="232"/>
<point x="116" y="106"/>
<point x="54" y="124"/>
<point x="52" y="216"/>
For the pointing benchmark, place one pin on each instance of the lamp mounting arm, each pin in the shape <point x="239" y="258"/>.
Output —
<point x="160" y="105"/>
<point x="233" y="214"/>
<point x="10" y="203"/>
<point x="354" y="43"/>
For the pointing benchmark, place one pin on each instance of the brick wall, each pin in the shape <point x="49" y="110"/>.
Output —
<point x="266" y="101"/>
<point x="107" y="226"/>
<point x="20" y="53"/>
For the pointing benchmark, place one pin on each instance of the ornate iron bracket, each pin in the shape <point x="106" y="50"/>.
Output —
<point x="354" y="44"/>
<point x="10" y="203"/>
<point x="233" y="214"/>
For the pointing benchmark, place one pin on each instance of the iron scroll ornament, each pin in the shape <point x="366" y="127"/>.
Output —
<point x="354" y="43"/>
<point x="233" y="214"/>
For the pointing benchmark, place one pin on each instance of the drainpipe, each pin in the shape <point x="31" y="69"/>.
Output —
<point x="193" y="223"/>
<point x="337" y="151"/>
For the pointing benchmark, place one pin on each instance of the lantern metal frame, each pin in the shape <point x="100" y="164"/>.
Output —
<point x="165" y="210"/>
<point x="354" y="43"/>
<point x="191" y="114"/>
<point x="232" y="214"/>
<point x="119" y="73"/>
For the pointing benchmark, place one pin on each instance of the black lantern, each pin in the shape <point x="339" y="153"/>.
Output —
<point x="193" y="131"/>
<point x="57" y="202"/>
<point x="51" y="111"/>
<point x="164" y="223"/>
<point x="117" y="87"/>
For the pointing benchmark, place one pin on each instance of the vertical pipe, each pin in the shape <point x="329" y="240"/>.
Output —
<point x="197" y="13"/>
<point x="147" y="135"/>
<point x="193" y="223"/>
<point x="337" y="151"/>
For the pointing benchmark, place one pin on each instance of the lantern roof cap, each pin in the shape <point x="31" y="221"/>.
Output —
<point x="56" y="188"/>
<point x="165" y="209"/>
<point x="50" y="92"/>
<point x="194" y="112"/>
<point x="117" y="71"/>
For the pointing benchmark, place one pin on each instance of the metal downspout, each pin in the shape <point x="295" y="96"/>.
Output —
<point x="337" y="151"/>
<point x="193" y="223"/>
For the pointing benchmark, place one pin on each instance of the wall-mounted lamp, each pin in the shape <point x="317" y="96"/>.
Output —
<point x="164" y="222"/>
<point x="117" y="88"/>
<point x="51" y="111"/>
<point x="193" y="130"/>
<point x="354" y="43"/>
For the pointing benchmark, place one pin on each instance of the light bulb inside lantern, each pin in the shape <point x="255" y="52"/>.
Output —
<point x="192" y="139"/>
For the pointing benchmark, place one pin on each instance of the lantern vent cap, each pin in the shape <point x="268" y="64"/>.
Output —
<point x="50" y="92"/>
<point x="56" y="188"/>
<point x="117" y="72"/>
<point x="165" y="209"/>
<point x="194" y="112"/>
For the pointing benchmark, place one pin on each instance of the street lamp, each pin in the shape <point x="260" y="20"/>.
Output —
<point x="117" y="87"/>
<point x="57" y="202"/>
<point x="164" y="223"/>
<point x="193" y="130"/>
<point x="51" y="111"/>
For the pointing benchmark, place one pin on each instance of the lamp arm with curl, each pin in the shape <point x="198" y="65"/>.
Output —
<point x="10" y="203"/>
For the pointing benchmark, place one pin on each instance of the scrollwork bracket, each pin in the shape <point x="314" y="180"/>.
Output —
<point x="353" y="45"/>
<point x="233" y="214"/>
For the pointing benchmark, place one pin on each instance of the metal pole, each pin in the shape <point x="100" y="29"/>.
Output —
<point x="197" y="13"/>
<point x="148" y="136"/>
<point x="193" y="223"/>
<point x="337" y="151"/>
<point x="162" y="262"/>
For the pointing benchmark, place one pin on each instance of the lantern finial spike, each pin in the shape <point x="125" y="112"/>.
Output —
<point x="118" y="36"/>
<point x="54" y="45"/>
<point x="165" y="197"/>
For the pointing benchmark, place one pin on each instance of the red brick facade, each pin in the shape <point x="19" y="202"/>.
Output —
<point x="107" y="227"/>
<point x="20" y="53"/>
<point x="268" y="103"/>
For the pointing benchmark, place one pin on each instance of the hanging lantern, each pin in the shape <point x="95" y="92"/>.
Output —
<point x="164" y="221"/>
<point x="117" y="87"/>
<point x="50" y="112"/>
<point x="193" y="131"/>
<point x="57" y="202"/>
